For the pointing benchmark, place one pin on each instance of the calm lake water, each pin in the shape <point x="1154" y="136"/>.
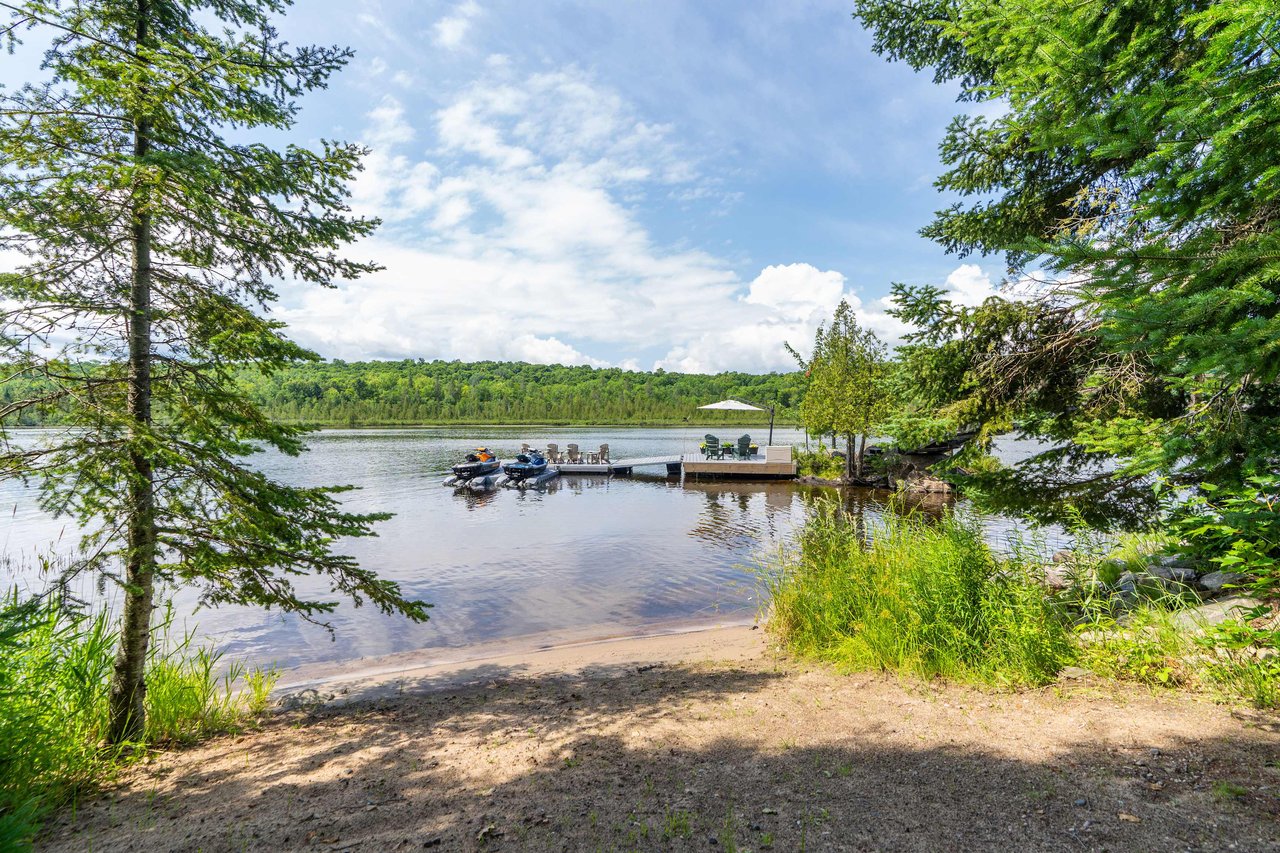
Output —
<point x="590" y="557"/>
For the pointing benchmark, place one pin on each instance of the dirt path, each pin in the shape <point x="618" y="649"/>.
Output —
<point x="694" y="752"/>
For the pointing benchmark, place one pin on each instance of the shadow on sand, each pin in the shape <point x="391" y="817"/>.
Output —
<point x="711" y="757"/>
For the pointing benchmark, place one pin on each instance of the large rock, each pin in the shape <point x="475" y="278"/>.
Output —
<point x="1057" y="576"/>
<point x="1128" y="580"/>
<point x="1215" y="581"/>
<point x="922" y="482"/>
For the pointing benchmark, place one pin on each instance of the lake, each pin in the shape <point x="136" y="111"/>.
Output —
<point x="590" y="557"/>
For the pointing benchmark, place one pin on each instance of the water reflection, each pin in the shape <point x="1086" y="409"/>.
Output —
<point x="734" y="513"/>
<point x="582" y="557"/>
<point x="473" y="499"/>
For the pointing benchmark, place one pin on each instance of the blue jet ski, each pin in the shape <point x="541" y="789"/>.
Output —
<point x="527" y="465"/>
<point x="478" y="462"/>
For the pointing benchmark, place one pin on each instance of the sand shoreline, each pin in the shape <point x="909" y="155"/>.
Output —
<point x="541" y="655"/>
<point x="687" y="740"/>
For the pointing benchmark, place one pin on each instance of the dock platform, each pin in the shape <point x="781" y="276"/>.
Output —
<point x="771" y="466"/>
<point x="620" y="466"/>
<point x="764" y="468"/>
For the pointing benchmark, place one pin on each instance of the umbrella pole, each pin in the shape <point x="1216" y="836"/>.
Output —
<point x="770" y="425"/>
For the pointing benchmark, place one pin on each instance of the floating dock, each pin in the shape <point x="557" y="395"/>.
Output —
<point x="698" y="467"/>
<point x="774" y="464"/>
<point x="621" y="466"/>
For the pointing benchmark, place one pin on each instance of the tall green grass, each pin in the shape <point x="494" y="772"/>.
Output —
<point x="55" y="670"/>
<point x="923" y="597"/>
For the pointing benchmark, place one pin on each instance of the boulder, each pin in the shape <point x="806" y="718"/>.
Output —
<point x="920" y="482"/>
<point x="1170" y="561"/>
<point x="1056" y="577"/>
<point x="1215" y="581"/>
<point x="1182" y="575"/>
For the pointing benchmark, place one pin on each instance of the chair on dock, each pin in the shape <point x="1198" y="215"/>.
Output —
<point x="571" y="452"/>
<point x="744" y="447"/>
<point x="711" y="447"/>
<point x="604" y="453"/>
<point x="524" y="448"/>
<point x="553" y="454"/>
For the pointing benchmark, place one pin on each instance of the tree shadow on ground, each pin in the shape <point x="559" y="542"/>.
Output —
<point x="678" y="757"/>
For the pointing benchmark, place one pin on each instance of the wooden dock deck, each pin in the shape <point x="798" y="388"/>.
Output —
<point x="691" y="464"/>
<point x="620" y="466"/>
<point x="696" y="466"/>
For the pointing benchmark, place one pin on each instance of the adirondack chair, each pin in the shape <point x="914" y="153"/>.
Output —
<point x="553" y="454"/>
<point x="744" y="447"/>
<point x="604" y="453"/>
<point x="571" y="452"/>
<point x="711" y="447"/>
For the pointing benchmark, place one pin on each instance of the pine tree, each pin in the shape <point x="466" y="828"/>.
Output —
<point x="151" y="229"/>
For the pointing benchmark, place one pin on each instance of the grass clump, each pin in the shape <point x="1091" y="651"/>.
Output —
<point x="55" y="671"/>
<point x="818" y="463"/>
<point x="916" y="596"/>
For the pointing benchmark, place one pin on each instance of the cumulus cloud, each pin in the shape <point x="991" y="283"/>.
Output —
<point x="796" y="290"/>
<point x="451" y="30"/>
<point x="969" y="285"/>
<point x="511" y="232"/>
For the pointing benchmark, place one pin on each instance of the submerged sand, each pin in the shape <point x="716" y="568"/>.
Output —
<point x="705" y="740"/>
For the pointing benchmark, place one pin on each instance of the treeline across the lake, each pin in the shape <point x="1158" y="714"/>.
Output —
<point x="371" y="393"/>
<point x="418" y="391"/>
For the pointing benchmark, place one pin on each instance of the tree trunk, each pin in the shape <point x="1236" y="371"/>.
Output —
<point x="128" y="685"/>
<point x="862" y="453"/>
<point x="848" y="455"/>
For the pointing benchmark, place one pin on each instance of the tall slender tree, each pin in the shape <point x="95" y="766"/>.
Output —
<point x="150" y="226"/>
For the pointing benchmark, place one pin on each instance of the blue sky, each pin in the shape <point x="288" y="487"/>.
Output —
<point x="682" y="185"/>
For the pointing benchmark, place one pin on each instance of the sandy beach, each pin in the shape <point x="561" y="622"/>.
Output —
<point x="705" y="740"/>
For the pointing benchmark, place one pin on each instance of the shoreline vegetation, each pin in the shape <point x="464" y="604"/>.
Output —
<point x="55" y="678"/>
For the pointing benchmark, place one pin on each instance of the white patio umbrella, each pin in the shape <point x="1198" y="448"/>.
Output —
<point x="739" y="406"/>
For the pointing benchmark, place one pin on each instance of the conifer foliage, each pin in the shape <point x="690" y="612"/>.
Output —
<point x="1128" y="160"/>
<point x="149" y="227"/>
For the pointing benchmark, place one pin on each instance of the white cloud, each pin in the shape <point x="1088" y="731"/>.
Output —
<point x="797" y="290"/>
<point x="387" y="125"/>
<point x="516" y="237"/>
<point x="450" y="31"/>
<point x="969" y="285"/>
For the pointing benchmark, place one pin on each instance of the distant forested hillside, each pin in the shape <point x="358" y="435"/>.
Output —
<point x="407" y="392"/>
<point x="341" y="393"/>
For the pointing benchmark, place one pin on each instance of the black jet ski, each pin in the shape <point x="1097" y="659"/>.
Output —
<point x="479" y="461"/>
<point x="526" y="465"/>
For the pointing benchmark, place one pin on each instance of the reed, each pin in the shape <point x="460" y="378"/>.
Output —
<point x="925" y="597"/>
<point x="55" y="669"/>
